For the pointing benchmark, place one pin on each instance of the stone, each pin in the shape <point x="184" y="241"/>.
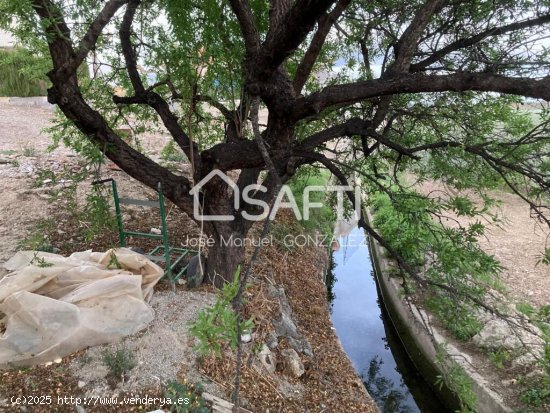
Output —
<point x="272" y="340"/>
<point x="79" y="409"/>
<point x="285" y="326"/>
<point x="499" y="334"/>
<point x="293" y="362"/>
<point x="81" y="384"/>
<point x="156" y="231"/>
<point x="246" y="338"/>
<point x="267" y="359"/>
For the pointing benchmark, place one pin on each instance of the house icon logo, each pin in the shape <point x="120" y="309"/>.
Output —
<point x="195" y="191"/>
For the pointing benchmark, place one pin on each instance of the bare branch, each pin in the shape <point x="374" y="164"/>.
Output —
<point x="466" y="42"/>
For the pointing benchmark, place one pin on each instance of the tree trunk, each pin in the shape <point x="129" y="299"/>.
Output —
<point x="224" y="255"/>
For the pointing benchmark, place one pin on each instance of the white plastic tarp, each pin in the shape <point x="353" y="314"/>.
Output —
<point x="52" y="306"/>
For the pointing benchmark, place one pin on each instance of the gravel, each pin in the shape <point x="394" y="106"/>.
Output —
<point x="159" y="350"/>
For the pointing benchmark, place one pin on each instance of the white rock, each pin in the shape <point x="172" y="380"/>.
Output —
<point x="292" y="360"/>
<point x="246" y="338"/>
<point x="81" y="384"/>
<point x="268" y="359"/>
<point x="156" y="231"/>
<point x="58" y="360"/>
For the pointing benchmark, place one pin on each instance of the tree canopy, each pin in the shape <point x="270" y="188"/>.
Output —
<point x="432" y="89"/>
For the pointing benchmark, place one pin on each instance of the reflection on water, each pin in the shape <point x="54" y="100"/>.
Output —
<point x="389" y="397"/>
<point x="368" y="339"/>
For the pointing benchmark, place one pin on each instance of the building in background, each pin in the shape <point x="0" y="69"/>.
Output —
<point x="7" y="41"/>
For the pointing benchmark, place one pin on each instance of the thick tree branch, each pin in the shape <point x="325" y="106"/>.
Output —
<point x="324" y="25"/>
<point x="242" y="10"/>
<point x="67" y="96"/>
<point x="284" y="38"/>
<point x="128" y="50"/>
<point x="418" y="83"/>
<point x="408" y="42"/>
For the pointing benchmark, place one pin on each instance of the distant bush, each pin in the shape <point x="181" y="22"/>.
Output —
<point x="22" y="73"/>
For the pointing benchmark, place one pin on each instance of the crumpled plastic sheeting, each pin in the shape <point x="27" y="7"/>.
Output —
<point x="52" y="306"/>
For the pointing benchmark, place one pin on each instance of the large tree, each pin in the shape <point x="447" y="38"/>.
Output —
<point x="431" y="87"/>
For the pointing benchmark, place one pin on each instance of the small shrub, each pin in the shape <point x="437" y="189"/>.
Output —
<point x="217" y="326"/>
<point x="499" y="358"/>
<point x="38" y="239"/>
<point x="29" y="150"/>
<point x="190" y="394"/>
<point x="119" y="362"/>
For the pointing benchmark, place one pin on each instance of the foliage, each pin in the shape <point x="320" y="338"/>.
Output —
<point x="171" y="153"/>
<point x="544" y="258"/>
<point x="320" y="219"/>
<point x="217" y="326"/>
<point x="22" y="73"/>
<point x="456" y="380"/>
<point x="119" y="362"/>
<point x="189" y="393"/>
<point x="448" y="256"/>
<point x="97" y="212"/>
<point x="94" y="216"/>
<point x="40" y="261"/>
<point x="500" y="357"/>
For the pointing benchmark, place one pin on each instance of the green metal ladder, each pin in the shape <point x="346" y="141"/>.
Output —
<point x="161" y="253"/>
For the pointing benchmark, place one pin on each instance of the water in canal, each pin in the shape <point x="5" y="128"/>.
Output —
<point x="368" y="336"/>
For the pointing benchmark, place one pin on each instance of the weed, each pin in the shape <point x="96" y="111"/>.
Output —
<point x="190" y="394"/>
<point x="113" y="262"/>
<point x="38" y="240"/>
<point x="500" y="357"/>
<point x="119" y="362"/>
<point x="536" y="396"/>
<point x="43" y="176"/>
<point x="84" y="359"/>
<point x="29" y="150"/>
<point x="544" y="258"/>
<point x="40" y="261"/>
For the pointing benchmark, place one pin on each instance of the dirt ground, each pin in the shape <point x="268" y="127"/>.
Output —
<point x="330" y="383"/>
